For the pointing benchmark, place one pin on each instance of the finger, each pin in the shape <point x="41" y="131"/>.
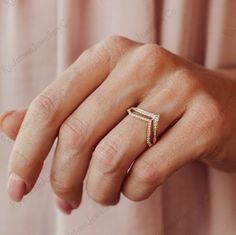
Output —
<point x="179" y="146"/>
<point x="51" y="108"/>
<point x="96" y="116"/>
<point x="80" y="133"/>
<point x="115" y="153"/>
<point x="11" y="121"/>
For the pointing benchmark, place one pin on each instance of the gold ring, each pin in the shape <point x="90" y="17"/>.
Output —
<point x="152" y="120"/>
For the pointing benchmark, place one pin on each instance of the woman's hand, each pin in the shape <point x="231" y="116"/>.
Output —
<point x="86" y="108"/>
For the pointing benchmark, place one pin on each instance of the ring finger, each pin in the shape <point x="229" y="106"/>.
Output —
<point x="117" y="151"/>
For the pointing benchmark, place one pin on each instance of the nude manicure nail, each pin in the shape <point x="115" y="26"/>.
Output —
<point x="16" y="188"/>
<point x="64" y="206"/>
<point x="4" y="115"/>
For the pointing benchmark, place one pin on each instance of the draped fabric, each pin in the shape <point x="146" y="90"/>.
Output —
<point x="40" y="39"/>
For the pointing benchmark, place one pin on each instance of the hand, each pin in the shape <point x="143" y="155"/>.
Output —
<point x="86" y="108"/>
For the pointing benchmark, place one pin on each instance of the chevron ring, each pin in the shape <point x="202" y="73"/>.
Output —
<point x="152" y="120"/>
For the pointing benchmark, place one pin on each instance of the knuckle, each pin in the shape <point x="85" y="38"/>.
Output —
<point x="152" y="53"/>
<point x="107" y="157"/>
<point x="147" y="60"/>
<point x="153" y="50"/>
<point x="107" y="52"/>
<point x="183" y="79"/>
<point x="112" y="40"/>
<point x="73" y="132"/>
<point x="147" y="173"/>
<point x="43" y="108"/>
<point x="115" y="47"/>
<point x="94" y="54"/>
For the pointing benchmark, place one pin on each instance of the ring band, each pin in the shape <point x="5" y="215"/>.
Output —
<point x="152" y="120"/>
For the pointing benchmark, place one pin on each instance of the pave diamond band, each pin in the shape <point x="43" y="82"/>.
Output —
<point x="152" y="120"/>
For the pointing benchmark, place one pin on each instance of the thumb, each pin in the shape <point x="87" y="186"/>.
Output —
<point x="10" y="122"/>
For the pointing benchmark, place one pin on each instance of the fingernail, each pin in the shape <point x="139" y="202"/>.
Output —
<point x="64" y="206"/>
<point x="16" y="187"/>
<point x="4" y="116"/>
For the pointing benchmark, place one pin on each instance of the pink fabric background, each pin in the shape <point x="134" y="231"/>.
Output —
<point x="39" y="39"/>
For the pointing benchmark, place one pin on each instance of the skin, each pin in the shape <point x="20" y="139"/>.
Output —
<point x="85" y="111"/>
